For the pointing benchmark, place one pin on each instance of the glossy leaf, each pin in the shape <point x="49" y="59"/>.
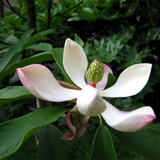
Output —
<point x="79" y="40"/>
<point x="144" y="143"/>
<point x="14" y="132"/>
<point x="58" y="56"/>
<point x="46" y="32"/>
<point x="51" y="146"/>
<point x="42" y="57"/>
<point x="111" y="80"/>
<point x="11" y="40"/>
<point x="103" y="145"/>
<point x="28" y="33"/>
<point x="13" y="93"/>
<point x="18" y="48"/>
<point x="41" y="47"/>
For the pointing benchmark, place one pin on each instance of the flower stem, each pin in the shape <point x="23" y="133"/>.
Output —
<point x="100" y="119"/>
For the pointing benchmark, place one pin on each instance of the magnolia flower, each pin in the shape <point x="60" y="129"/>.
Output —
<point x="88" y="95"/>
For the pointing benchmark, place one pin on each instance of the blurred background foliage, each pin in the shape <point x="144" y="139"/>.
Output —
<point x="119" y="33"/>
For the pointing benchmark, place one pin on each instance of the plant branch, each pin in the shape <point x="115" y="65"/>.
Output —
<point x="1" y="9"/>
<point x="31" y="13"/>
<point x="49" y="13"/>
<point x="12" y="9"/>
<point x="61" y="14"/>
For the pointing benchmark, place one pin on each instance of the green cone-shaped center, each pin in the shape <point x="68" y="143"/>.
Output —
<point x="95" y="72"/>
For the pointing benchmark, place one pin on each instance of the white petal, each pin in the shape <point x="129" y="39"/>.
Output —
<point x="89" y="102"/>
<point x="128" y="121"/>
<point x="40" y="82"/>
<point x="75" y="62"/>
<point x="130" y="82"/>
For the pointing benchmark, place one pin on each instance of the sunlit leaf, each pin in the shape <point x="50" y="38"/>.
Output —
<point x="79" y="40"/>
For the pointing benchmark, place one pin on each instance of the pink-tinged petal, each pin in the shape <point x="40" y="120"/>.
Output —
<point x="130" y="82"/>
<point x="70" y="135"/>
<point x="101" y="85"/>
<point x="128" y="121"/>
<point x="89" y="102"/>
<point x="75" y="62"/>
<point x="77" y="124"/>
<point x="41" y="83"/>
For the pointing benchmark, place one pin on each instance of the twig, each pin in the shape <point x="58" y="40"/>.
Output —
<point x="38" y="103"/>
<point x="31" y="14"/>
<point x="61" y="14"/>
<point x="49" y="13"/>
<point x="12" y="9"/>
<point x="1" y="9"/>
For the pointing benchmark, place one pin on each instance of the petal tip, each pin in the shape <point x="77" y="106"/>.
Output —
<point x="69" y="42"/>
<point x="67" y="136"/>
<point x="75" y="62"/>
<point x="125" y="121"/>
<point x="18" y="70"/>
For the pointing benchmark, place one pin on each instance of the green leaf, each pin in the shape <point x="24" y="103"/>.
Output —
<point x="18" y="48"/>
<point x="58" y="56"/>
<point x="3" y="114"/>
<point x="13" y="93"/>
<point x="15" y="132"/>
<point x="11" y="40"/>
<point x="90" y="14"/>
<point x="155" y="126"/>
<point x="27" y="151"/>
<point x="79" y="40"/>
<point x="46" y="32"/>
<point x="103" y="145"/>
<point x="41" y="47"/>
<point x="42" y="57"/>
<point x="131" y="11"/>
<point x="111" y="80"/>
<point x="51" y="146"/>
<point x="144" y="143"/>
<point x="75" y="18"/>
<point x="28" y="33"/>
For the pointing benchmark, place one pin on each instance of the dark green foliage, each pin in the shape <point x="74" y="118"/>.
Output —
<point x="53" y="147"/>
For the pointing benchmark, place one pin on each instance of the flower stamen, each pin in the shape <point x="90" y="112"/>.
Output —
<point x="95" y="72"/>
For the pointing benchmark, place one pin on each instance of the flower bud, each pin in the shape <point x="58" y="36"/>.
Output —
<point x="95" y="72"/>
<point x="77" y="124"/>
